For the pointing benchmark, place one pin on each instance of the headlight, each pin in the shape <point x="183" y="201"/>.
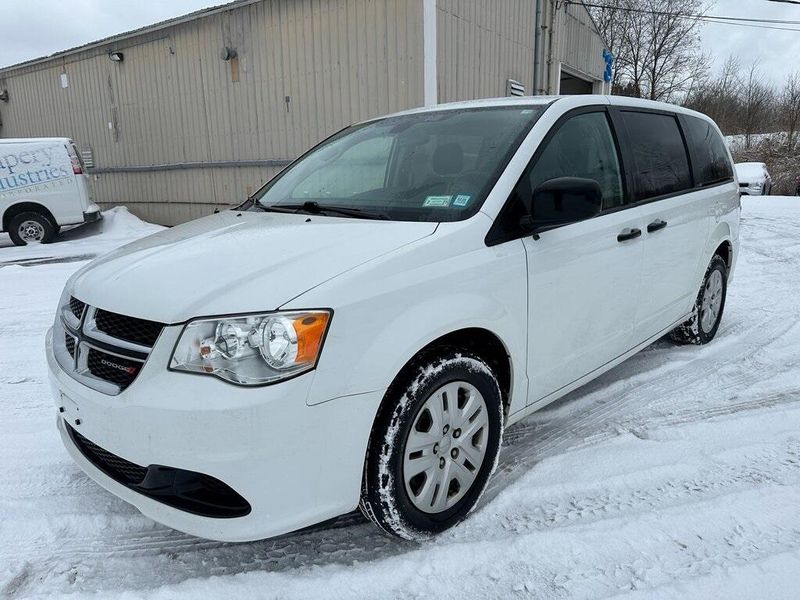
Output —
<point x="252" y="349"/>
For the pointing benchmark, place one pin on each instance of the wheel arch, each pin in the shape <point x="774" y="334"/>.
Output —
<point x="484" y="343"/>
<point x="25" y="206"/>
<point x="720" y="243"/>
<point x="725" y="252"/>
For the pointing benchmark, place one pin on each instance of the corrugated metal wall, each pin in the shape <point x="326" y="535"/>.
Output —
<point x="483" y="44"/>
<point x="578" y="43"/>
<point x="173" y="99"/>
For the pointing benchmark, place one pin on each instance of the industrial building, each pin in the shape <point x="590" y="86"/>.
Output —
<point x="195" y="113"/>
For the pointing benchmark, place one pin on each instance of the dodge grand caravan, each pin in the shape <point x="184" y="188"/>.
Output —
<point x="361" y="330"/>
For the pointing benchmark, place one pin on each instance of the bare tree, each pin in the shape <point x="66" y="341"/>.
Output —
<point x="614" y="23"/>
<point x="656" y="44"/>
<point x="757" y="99"/>
<point x="719" y="97"/>
<point x="790" y="106"/>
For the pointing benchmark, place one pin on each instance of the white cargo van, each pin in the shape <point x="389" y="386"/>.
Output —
<point x="43" y="186"/>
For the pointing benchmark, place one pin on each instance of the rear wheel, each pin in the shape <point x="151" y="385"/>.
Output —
<point x="31" y="228"/>
<point x="707" y="314"/>
<point x="434" y="445"/>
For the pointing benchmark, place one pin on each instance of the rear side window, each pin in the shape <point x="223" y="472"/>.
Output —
<point x="662" y="166"/>
<point x="710" y="158"/>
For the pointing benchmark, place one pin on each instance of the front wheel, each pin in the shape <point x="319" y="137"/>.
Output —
<point x="434" y="445"/>
<point x="707" y="313"/>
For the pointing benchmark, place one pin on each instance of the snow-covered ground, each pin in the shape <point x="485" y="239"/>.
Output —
<point x="675" y="475"/>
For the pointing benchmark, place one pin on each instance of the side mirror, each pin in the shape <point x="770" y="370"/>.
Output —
<point x="564" y="200"/>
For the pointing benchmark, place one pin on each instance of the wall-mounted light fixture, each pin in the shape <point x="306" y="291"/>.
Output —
<point x="228" y="53"/>
<point x="4" y="95"/>
<point x="116" y="56"/>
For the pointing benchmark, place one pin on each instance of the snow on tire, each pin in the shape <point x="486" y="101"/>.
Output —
<point x="712" y="294"/>
<point x="441" y="416"/>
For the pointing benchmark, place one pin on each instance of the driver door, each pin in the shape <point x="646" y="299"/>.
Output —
<point x="584" y="278"/>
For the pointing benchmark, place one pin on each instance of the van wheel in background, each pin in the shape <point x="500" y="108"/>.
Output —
<point x="707" y="314"/>
<point x="31" y="228"/>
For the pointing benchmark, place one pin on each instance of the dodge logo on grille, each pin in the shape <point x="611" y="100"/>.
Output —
<point x="117" y="366"/>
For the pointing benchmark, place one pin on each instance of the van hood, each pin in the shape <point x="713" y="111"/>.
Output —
<point x="234" y="262"/>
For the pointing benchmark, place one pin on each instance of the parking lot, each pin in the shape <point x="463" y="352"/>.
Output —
<point x="675" y="473"/>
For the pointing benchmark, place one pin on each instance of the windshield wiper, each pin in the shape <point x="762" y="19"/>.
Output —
<point x="312" y="207"/>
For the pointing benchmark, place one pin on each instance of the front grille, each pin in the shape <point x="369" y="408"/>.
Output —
<point x="115" y="369"/>
<point x="69" y="341"/>
<point x="130" y="329"/>
<point x="104" y="350"/>
<point x="189" y="491"/>
<point x="76" y="307"/>
<point x="114" y="466"/>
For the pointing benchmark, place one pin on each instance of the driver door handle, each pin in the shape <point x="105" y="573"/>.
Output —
<point x="656" y="225"/>
<point x="629" y="234"/>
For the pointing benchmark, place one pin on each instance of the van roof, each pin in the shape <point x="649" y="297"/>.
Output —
<point x="580" y="100"/>
<point x="35" y="140"/>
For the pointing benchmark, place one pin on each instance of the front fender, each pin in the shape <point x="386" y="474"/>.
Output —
<point x="384" y="314"/>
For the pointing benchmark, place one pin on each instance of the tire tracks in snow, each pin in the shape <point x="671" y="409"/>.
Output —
<point x="778" y="467"/>
<point x="612" y="403"/>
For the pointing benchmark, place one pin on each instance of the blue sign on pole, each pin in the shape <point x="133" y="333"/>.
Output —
<point x="609" y="58"/>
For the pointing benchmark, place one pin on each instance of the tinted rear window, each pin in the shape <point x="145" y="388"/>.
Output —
<point x="662" y="166"/>
<point x="711" y="162"/>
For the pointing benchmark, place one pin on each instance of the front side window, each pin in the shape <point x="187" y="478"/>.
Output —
<point x="711" y="161"/>
<point x="662" y="166"/>
<point x="583" y="147"/>
<point x="430" y="166"/>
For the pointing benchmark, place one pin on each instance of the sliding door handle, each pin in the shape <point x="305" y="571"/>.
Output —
<point x="629" y="234"/>
<point x="656" y="225"/>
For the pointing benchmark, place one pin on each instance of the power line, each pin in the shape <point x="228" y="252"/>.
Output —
<point x="715" y="22"/>
<point x="715" y="19"/>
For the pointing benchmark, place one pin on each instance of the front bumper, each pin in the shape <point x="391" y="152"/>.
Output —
<point x="294" y="464"/>
<point x="752" y="190"/>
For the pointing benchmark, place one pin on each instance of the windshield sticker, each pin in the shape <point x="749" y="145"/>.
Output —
<point x="462" y="200"/>
<point x="437" y="201"/>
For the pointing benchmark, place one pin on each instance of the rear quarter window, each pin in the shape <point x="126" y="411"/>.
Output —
<point x="659" y="154"/>
<point x="709" y="156"/>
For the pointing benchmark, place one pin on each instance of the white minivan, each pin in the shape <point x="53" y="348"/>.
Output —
<point x="43" y="186"/>
<point x="360" y="332"/>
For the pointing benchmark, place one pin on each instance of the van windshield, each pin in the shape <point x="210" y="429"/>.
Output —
<point x="432" y="166"/>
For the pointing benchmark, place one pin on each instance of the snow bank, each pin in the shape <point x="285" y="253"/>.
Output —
<point x="120" y="223"/>
<point x="117" y="228"/>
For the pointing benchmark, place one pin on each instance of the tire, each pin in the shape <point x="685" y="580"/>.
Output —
<point x="31" y="227"/>
<point x="708" y="308"/>
<point x="392" y="501"/>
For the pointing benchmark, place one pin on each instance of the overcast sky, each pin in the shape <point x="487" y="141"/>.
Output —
<point x="778" y="51"/>
<point x="35" y="28"/>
